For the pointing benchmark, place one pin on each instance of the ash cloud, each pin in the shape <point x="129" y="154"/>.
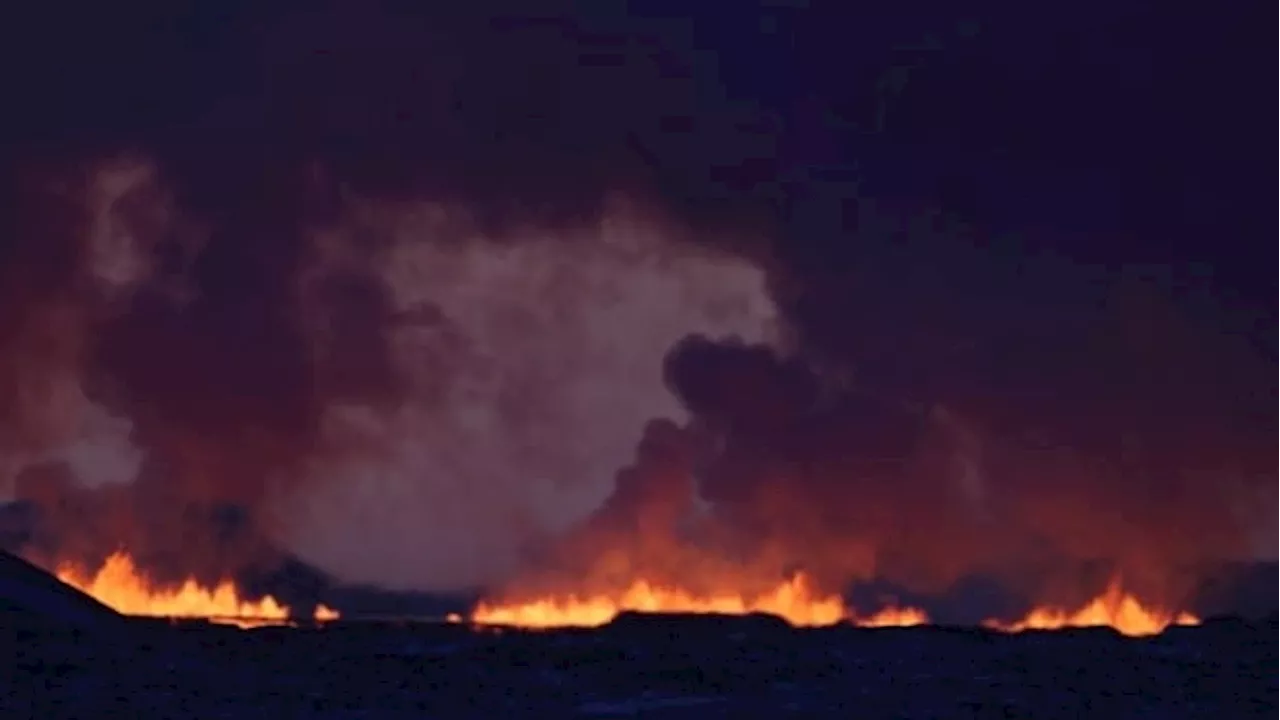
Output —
<point x="396" y="291"/>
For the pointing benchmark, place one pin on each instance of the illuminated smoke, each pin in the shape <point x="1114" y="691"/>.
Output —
<point x="354" y="286"/>
<point x="58" y="423"/>
<point x="793" y="462"/>
<point x="125" y="210"/>
<point x="531" y="367"/>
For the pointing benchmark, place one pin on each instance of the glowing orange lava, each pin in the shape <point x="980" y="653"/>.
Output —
<point x="795" y="602"/>
<point x="119" y="585"/>
<point x="891" y="617"/>
<point x="1113" y="608"/>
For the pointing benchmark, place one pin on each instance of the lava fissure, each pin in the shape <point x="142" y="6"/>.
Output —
<point x="795" y="602"/>
<point x="119" y="585"/>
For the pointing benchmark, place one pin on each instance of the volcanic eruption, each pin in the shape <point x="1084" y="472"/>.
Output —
<point x="345" y="292"/>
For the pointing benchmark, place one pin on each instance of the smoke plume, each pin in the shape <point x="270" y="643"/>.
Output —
<point x="385" y="290"/>
<point x="443" y="300"/>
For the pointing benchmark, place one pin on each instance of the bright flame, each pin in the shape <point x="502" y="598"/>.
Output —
<point x="119" y="585"/>
<point x="795" y="602"/>
<point x="1114" y="608"/>
<point x="891" y="617"/>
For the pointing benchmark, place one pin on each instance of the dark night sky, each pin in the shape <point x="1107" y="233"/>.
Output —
<point x="1126" y="131"/>
<point x="1091" y="175"/>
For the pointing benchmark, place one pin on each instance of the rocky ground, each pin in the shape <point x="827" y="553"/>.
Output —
<point x="640" y="666"/>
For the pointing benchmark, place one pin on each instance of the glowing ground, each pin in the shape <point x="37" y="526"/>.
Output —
<point x="639" y="666"/>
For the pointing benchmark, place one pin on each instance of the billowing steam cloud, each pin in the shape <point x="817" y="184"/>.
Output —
<point x="529" y="370"/>
<point x="307" y="258"/>
<point x="470" y="393"/>
<point x="435" y="301"/>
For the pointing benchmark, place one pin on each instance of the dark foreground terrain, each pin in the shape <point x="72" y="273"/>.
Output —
<point x="660" y="667"/>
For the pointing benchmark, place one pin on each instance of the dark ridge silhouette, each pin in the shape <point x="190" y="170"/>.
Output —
<point x="682" y="668"/>
<point x="31" y="597"/>
<point x="670" y="624"/>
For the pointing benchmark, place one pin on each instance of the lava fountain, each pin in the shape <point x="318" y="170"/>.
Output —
<point x="119" y="585"/>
